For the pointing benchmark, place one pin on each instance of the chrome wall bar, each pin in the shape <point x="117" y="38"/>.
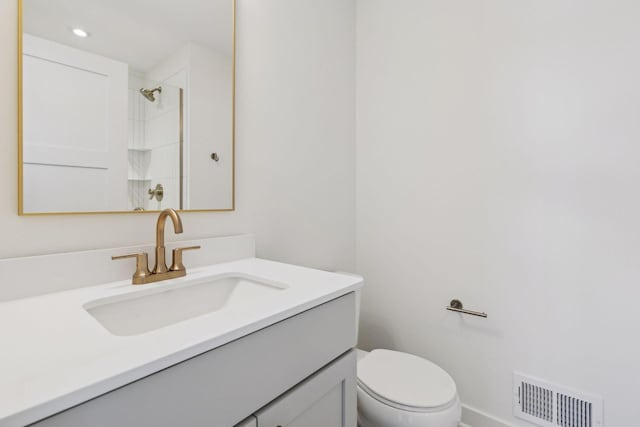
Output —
<point x="456" y="305"/>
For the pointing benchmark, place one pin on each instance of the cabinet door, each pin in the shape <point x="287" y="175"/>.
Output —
<point x="75" y="129"/>
<point x="326" y="399"/>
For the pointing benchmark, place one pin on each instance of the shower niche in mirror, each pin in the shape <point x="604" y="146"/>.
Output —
<point x="126" y="105"/>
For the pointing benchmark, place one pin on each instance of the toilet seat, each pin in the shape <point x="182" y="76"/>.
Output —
<point x="420" y="410"/>
<point x="406" y="382"/>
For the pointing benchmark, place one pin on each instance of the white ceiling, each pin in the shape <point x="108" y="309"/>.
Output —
<point x="141" y="33"/>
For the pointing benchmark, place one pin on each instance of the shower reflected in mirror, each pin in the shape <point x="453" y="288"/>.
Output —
<point x="149" y="93"/>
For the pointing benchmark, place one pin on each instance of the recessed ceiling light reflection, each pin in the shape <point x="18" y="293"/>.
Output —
<point x="80" y="32"/>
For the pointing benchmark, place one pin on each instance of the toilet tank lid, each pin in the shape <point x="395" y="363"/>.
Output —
<point x="406" y="380"/>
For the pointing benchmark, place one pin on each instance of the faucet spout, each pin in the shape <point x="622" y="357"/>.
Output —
<point x="161" y="262"/>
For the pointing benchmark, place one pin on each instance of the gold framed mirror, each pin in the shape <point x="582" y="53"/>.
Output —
<point x="126" y="106"/>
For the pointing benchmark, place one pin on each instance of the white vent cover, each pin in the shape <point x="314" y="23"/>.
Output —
<point x="550" y="405"/>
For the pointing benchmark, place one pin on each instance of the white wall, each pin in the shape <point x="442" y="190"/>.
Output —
<point x="498" y="163"/>
<point x="210" y="182"/>
<point x="206" y="75"/>
<point x="295" y="149"/>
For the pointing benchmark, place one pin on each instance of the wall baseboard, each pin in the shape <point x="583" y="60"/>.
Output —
<point x="472" y="417"/>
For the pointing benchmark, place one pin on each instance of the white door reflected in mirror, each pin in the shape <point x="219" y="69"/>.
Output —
<point x="120" y="98"/>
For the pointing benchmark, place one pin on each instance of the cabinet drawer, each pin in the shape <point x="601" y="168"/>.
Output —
<point x="223" y="386"/>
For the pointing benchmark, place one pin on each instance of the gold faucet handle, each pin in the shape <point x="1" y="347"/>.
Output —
<point x="177" y="258"/>
<point x="142" y="266"/>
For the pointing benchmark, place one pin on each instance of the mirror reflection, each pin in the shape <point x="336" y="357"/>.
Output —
<point x="127" y="105"/>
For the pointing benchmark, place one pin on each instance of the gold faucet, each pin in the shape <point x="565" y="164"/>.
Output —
<point x="161" y="263"/>
<point x="160" y="271"/>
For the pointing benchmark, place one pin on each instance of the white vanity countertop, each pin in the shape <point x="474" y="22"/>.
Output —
<point x="54" y="354"/>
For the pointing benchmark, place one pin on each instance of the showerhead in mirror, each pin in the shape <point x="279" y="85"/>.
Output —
<point x="149" y="93"/>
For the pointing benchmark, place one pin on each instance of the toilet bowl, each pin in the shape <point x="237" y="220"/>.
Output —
<point x="402" y="390"/>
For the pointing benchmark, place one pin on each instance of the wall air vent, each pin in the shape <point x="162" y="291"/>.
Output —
<point x="549" y="405"/>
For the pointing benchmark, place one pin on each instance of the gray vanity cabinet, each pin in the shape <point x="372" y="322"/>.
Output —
<point x="327" y="399"/>
<point x="301" y="371"/>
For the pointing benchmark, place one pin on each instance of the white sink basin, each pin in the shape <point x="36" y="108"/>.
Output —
<point x="158" y="306"/>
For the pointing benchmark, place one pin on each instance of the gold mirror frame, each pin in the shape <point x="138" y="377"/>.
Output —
<point x="21" y="211"/>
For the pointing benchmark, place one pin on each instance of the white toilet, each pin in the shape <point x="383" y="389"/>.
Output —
<point x="402" y="390"/>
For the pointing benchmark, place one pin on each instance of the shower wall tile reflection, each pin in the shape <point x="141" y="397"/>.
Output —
<point x="154" y="144"/>
<point x="138" y="155"/>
